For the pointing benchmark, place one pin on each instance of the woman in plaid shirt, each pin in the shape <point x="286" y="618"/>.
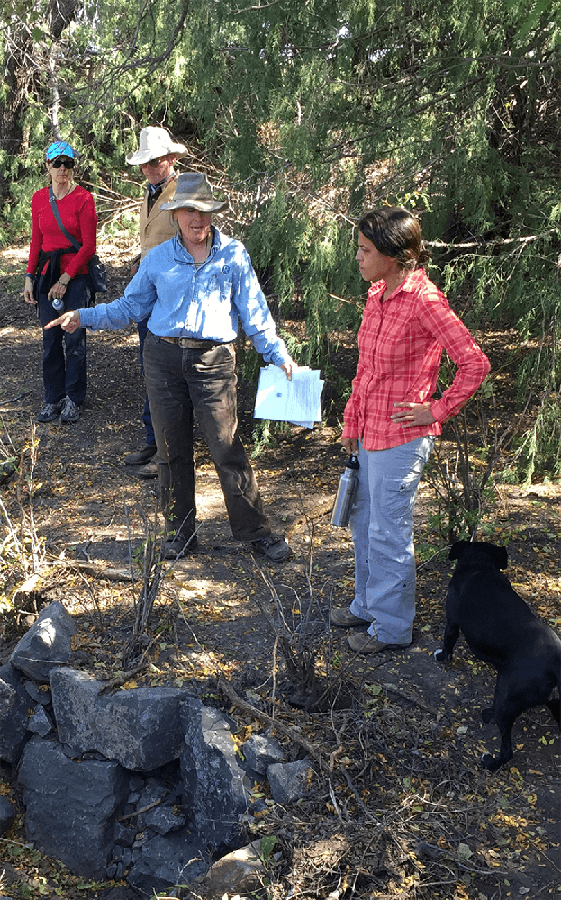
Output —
<point x="391" y="420"/>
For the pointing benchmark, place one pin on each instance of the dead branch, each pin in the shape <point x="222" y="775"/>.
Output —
<point x="119" y="680"/>
<point x="255" y="713"/>
<point x="100" y="572"/>
<point x="139" y="812"/>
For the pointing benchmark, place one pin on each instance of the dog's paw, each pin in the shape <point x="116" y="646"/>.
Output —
<point x="488" y="715"/>
<point x="440" y="656"/>
<point x="492" y="763"/>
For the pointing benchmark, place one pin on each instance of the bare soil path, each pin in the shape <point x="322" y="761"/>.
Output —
<point x="401" y="806"/>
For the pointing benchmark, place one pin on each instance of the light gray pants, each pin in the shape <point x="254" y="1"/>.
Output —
<point x="382" y="529"/>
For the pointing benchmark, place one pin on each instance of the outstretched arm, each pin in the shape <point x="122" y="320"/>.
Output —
<point x="69" y="321"/>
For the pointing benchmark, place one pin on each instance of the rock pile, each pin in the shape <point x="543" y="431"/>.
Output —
<point x="143" y="784"/>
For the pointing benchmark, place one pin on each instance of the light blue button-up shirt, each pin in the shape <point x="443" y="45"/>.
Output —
<point x="207" y="302"/>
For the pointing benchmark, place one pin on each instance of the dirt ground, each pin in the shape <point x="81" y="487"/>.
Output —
<point x="400" y="806"/>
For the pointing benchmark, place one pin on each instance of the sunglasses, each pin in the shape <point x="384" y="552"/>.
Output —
<point x="65" y="161"/>
<point x="154" y="163"/>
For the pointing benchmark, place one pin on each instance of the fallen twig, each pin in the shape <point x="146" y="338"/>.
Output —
<point x="138" y="812"/>
<point x="119" y="680"/>
<point x="411" y="698"/>
<point x="100" y="572"/>
<point x="291" y="733"/>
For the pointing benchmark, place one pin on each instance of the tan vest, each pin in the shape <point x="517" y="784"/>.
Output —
<point x="156" y="227"/>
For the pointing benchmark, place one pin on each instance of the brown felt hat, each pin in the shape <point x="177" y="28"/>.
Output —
<point x="194" y="190"/>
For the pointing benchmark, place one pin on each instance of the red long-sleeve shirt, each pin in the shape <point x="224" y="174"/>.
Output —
<point x="400" y="343"/>
<point x="78" y="215"/>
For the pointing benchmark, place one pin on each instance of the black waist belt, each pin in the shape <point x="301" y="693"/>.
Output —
<point x="191" y="343"/>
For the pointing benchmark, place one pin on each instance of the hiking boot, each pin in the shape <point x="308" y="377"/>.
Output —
<point x="273" y="547"/>
<point x="179" y="545"/>
<point x="141" y="456"/>
<point x="362" y="642"/>
<point x="150" y="470"/>
<point x="50" y="412"/>
<point x="69" y="411"/>
<point x="344" y="618"/>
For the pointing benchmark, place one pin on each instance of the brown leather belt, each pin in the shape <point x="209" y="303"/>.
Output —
<point x="190" y="343"/>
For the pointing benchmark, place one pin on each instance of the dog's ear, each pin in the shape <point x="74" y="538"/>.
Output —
<point x="457" y="549"/>
<point x="501" y="556"/>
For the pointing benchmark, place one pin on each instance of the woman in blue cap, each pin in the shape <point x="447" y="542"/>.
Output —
<point x="57" y="279"/>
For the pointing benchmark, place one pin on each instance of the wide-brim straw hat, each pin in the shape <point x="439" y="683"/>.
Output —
<point x="194" y="190"/>
<point x="153" y="143"/>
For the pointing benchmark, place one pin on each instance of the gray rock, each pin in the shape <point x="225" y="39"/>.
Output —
<point x="289" y="781"/>
<point x="40" y="693"/>
<point x="216" y="788"/>
<point x="241" y="870"/>
<point x="70" y="806"/>
<point x="163" y="819"/>
<point x="46" y="644"/>
<point x="153" y="791"/>
<point x="261" y="751"/>
<point x="14" y="714"/>
<point x="7" y="814"/>
<point x="40" y="722"/>
<point x="136" y="783"/>
<point x="140" y="728"/>
<point x="124" y="835"/>
<point x="163" y="862"/>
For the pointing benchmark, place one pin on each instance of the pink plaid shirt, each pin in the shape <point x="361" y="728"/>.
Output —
<point x="400" y="343"/>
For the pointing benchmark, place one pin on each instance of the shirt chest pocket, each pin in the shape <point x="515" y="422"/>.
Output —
<point x="215" y="290"/>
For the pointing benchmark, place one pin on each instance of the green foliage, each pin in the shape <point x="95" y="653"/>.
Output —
<point x="311" y="113"/>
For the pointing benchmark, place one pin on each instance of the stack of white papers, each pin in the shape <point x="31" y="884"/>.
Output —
<point x="297" y="401"/>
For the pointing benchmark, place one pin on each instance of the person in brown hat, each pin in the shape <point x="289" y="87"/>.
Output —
<point x="195" y="289"/>
<point x="156" y="156"/>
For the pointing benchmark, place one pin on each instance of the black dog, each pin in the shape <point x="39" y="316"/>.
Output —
<point x="500" y="629"/>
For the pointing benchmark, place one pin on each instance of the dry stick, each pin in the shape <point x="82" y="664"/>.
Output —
<point x="411" y="698"/>
<point x="255" y="713"/>
<point x="138" y="812"/>
<point x="119" y="680"/>
<point x="99" y="572"/>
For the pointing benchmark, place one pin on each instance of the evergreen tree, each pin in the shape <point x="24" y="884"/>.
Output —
<point x="312" y="112"/>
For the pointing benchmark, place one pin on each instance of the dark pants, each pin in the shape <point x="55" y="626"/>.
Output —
<point x="64" y="354"/>
<point x="146" y="417"/>
<point x="200" y="382"/>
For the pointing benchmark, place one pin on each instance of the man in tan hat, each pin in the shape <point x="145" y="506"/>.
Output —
<point x="195" y="289"/>
<point x="156" y="157"/>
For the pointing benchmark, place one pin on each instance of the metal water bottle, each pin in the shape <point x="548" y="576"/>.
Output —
<point x="58" y="304"/>
<point x="348" y="483"/>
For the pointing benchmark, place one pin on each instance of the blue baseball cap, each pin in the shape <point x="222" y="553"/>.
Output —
<point x="60" y="148"/>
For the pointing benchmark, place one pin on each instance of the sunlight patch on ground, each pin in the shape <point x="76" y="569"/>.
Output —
<point x="15" y="254"/>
